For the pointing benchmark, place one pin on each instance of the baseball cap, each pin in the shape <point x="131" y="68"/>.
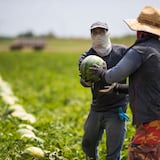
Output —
<point x="99" y="24"/>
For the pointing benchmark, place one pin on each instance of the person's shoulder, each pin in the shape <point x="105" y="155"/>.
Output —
<point x="117" y="46"/>
<point x="119" y="49"/>
<point x="90" y="51"/>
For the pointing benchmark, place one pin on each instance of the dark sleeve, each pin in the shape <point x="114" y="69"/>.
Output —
<point x="121" y="88"/>
<point x="126" y="66"/>
<point x="82" y="57"/>
<point x="84" y="83"/>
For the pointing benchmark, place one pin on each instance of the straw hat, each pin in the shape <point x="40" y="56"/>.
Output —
<point x="148" y="21"/>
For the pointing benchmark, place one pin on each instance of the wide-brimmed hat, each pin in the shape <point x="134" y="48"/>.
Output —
<point x="148" y="21"/>
<point x="99" y="24"/>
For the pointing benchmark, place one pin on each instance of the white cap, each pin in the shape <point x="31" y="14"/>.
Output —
<point x="99" y="25"/>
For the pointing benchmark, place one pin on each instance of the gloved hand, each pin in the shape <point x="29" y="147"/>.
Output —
<point x="123" y="116"/>
<point x="108" y="89"/>
<point x="83" y="56"/>
<point x="98" y="71"/>
<point x="85" y="83"/>
<point x="117" y="88"/>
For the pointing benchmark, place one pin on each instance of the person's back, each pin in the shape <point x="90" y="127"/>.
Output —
<point x="144" y="87"/>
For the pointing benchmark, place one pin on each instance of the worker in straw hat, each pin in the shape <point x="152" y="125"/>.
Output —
<point x="141" y="64"/>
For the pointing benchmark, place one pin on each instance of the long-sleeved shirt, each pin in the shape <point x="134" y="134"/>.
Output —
<point x="126" y="66"/>
<point x="141" y="64"/>
<point x="104" y="102"/>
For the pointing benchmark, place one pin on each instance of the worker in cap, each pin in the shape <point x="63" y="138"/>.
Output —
<point x="107" y="109"/>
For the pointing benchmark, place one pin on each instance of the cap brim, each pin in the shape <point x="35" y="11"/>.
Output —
<point x="134" y="25"/>
<point x="98" y="26"/>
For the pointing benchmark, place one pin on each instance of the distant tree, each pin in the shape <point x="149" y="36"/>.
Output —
<point x="28" y="34"/>
<point x="50" y="35"/>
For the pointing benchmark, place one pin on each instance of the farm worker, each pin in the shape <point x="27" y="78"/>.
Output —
<point x="107" y="110"/>
<point x="142" y="64"/>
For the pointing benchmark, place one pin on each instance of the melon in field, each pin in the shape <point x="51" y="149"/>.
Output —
<point x="87" y="63"/>
<point x="34" y="152"/>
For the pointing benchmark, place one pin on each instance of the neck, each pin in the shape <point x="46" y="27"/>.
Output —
<point x="141" y="34"/>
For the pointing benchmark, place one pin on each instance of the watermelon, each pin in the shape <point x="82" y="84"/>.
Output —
<point x="87" y="63"/>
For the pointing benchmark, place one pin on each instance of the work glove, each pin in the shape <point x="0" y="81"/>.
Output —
<point x="83" y="56"/>
<point x="123" y="116"/>
<point x="108" y="89"/>
<point x="85" y="83"/>
<point x="117" y="88"/>
<point x="97" y="71"/>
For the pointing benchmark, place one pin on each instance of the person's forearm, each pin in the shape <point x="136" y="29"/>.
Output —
<point x="126" y="66"/>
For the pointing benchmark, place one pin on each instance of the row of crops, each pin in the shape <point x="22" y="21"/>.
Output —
<point x="44" y="107"/>
<point x="47" y="87"/>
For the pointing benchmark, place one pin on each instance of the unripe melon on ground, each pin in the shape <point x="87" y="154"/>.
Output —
<point x="87" y="63"/>
<point x="34" y="152"/>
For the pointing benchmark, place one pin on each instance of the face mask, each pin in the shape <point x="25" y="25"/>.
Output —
<point x="101" y="44"/>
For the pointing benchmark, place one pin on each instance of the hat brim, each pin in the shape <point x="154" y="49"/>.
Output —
<point x="134" y="25"/>
<point x="98" y="26"/>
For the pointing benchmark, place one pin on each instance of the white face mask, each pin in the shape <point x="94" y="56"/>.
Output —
<point x="101" y="44"/>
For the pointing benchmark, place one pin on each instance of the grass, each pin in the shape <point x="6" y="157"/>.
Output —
<point x="47" y="86"/>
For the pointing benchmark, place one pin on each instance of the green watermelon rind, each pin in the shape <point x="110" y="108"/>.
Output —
<point x="87" y="63"/>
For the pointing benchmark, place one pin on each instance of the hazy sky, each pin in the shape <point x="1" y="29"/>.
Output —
<point x="68" y="18"/>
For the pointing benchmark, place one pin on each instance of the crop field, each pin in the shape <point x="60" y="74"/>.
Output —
<point x="43" y="105"/>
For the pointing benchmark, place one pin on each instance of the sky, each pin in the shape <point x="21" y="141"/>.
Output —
<point x="68" y="18"/>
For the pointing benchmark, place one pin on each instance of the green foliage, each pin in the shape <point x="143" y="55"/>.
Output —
<point x="47" y="85"/>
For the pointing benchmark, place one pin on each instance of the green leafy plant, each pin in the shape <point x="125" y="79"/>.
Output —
<point x="47" y="86"/>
